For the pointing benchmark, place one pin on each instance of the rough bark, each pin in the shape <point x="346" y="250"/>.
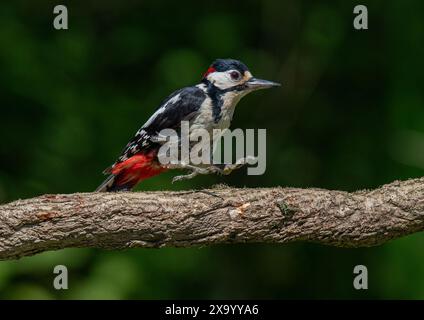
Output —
<point x="183" y="219"/>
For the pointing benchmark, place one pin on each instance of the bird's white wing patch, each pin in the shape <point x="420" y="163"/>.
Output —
<point x="203" y="87"/>
<point x="161" y="110"/>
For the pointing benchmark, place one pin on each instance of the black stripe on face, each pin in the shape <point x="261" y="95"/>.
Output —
<point x="215" y="94"/>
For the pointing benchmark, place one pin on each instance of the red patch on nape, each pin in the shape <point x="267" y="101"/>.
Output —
<point x="210" y="70"/>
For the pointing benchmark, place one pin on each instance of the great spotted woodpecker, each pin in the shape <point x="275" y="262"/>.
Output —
<point x="208" y="105"/>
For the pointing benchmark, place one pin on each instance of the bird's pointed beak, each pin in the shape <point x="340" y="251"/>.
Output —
<point x="256" y="84"/>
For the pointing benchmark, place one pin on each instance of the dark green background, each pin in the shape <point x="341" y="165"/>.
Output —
<point x="349" y="116"/>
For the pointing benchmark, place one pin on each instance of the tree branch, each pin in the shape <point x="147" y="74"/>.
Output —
<point x="183" y="219"/>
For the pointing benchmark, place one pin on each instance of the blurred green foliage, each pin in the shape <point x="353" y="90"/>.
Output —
<point x="349" y="116"/>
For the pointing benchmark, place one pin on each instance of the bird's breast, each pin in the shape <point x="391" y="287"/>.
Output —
<point x="209" y="118"/>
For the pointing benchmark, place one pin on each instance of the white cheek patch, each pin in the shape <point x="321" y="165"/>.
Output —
<point x="221" y="80"/>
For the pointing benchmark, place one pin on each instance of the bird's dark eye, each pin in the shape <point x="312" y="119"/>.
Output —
<point x="235" y="75"/>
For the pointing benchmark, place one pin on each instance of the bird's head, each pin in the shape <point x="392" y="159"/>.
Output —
<point x="233" y="75"/>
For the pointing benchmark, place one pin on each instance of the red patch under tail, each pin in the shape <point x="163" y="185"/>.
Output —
<point x="130" y="172"/>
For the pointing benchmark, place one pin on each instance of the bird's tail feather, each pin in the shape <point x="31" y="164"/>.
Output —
<point x="111" y="185"/>
<point x="125" y="175"/>
<point x="107" y="184"/>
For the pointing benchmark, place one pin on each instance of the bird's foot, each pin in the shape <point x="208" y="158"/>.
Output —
<point x="226" y="169"/>
<point x="223" y="169"/>
<point x="194" y="172"/>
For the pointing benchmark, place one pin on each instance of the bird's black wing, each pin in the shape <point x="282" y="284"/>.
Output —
<point x="181" y="105"/>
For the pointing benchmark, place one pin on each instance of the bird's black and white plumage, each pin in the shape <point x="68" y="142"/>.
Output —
<point x="182" y="105"/>
<point x="208" y="105"/>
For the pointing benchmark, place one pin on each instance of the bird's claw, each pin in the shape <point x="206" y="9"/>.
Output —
<point x="225" y="170"/>
<point x="194" y="172"/>
<point x="239" y="163"/>
<point x="183" y="177"/>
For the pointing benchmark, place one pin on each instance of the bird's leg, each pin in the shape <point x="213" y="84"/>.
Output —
<point x="194" y="172"/>
<point x="191" y="175"/>
<point x="224" y="169"/>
